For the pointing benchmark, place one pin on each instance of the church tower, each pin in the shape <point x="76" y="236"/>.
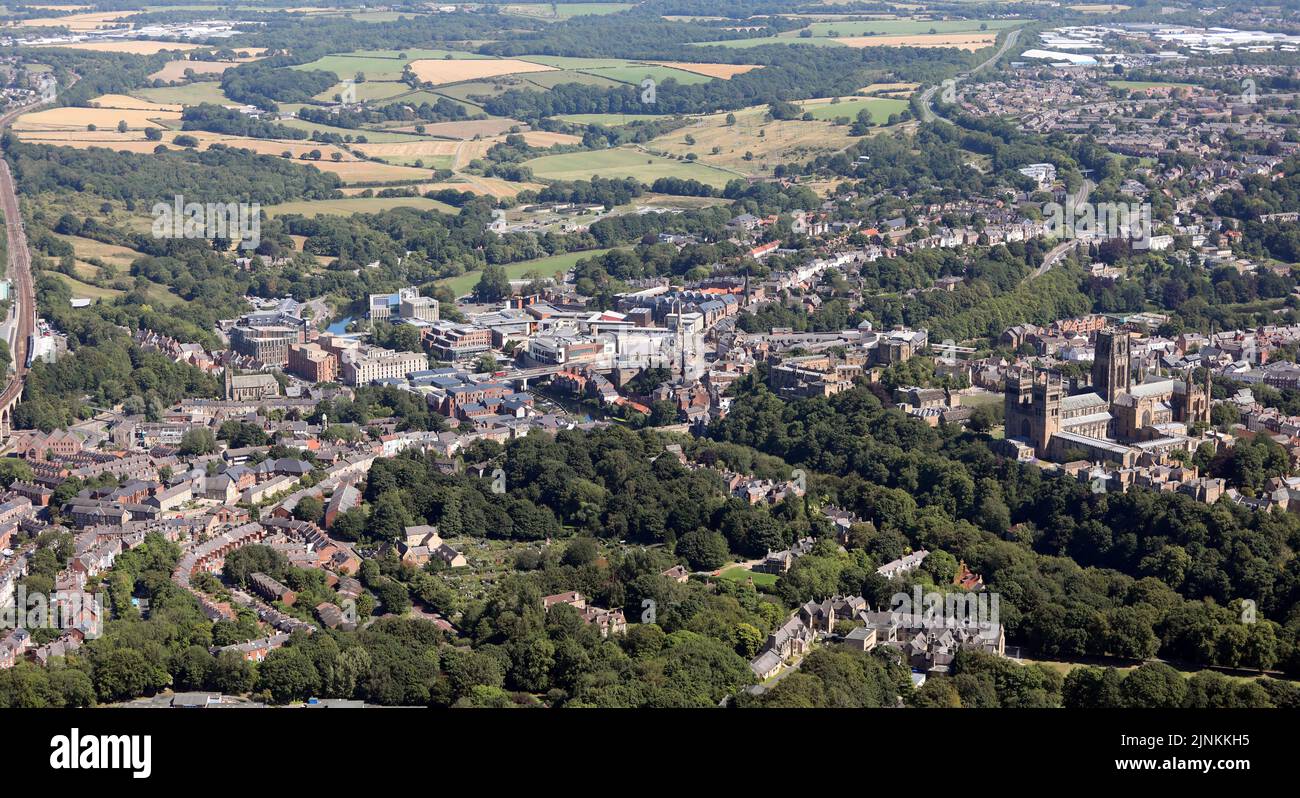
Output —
<point x="1110" y="368"/>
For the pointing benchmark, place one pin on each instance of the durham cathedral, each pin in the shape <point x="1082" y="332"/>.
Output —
<point x="1114" y="419"/>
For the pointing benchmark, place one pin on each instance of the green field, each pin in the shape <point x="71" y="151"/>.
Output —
<point x="624" y="163"/>
<point x="767" y="40"/>
<point x="572" y="62"/>
<point x="368" y="90"/>
<point x="549" y="80"/>
<point x="879" y="107"/>
<point x="373" y="136"/>
<point x="426" y="161"/>
<point x="900" y="27"/>
<point x="737" y="574"/>
<point x="377" y="16"/>
<point x="463" y="284"/>
<point x="189" y="94"/>
<point x="609" y="120"/>
<point x="414" y="54"/>
<point x="86" y="290"/>
<point x="351" y="205"/>
<point x="635" y="73"/>
<point x="345" y="66"/>
<point x="157" y="294"/>
<point x="461" y="92"/>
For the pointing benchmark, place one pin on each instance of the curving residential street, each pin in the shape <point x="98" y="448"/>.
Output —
<point x="927" y="96"/>
<point x="1058" y="252"/>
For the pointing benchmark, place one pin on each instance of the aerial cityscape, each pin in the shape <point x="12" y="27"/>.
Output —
<point x="745" y="354"/>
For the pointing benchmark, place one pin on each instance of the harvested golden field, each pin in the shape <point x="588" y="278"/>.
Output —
<point x="105" y="118"/>
<point x="103" y="137"/>
<point x="139" y="146"/>
<point x="724" y="71"/>
<point x="134" y="141"/>
<point x="370" y="171"/>
<point x="439" y="71"/>
<point x="133" y="47"/>
<point x="890" y="88"/>
<point x="544" y="138"/>
<point x="467" y="130"/>
<point x="78" y="22"/>
<point x="469" y="150"/>
<point x="460" y="153"/>
<point x="488" y="186"/>
<point x="975" y="40"/>
<point x="175" y="70"/>
<point x="133" y="103"/>
<point x="268" y="146"/>
<point x="409" y="149"/>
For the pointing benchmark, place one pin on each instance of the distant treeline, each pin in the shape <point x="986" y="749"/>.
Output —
<point x="263" y="84"/>
<point x="219" y="119"/>
<point x="219" y="174"/>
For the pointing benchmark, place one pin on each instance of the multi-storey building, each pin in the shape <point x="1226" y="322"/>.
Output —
<point x="268" y="345"/>
<point x="450" y="341"/>
<point x="364" y="366"/>
<point x="313" y="363"/>
<point x="404" y="304"/>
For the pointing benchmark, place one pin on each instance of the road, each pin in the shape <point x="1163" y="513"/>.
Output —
<point x="20" y="273"/>
<point x="927" y="97"/>
<point x="1058" y="252"/>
